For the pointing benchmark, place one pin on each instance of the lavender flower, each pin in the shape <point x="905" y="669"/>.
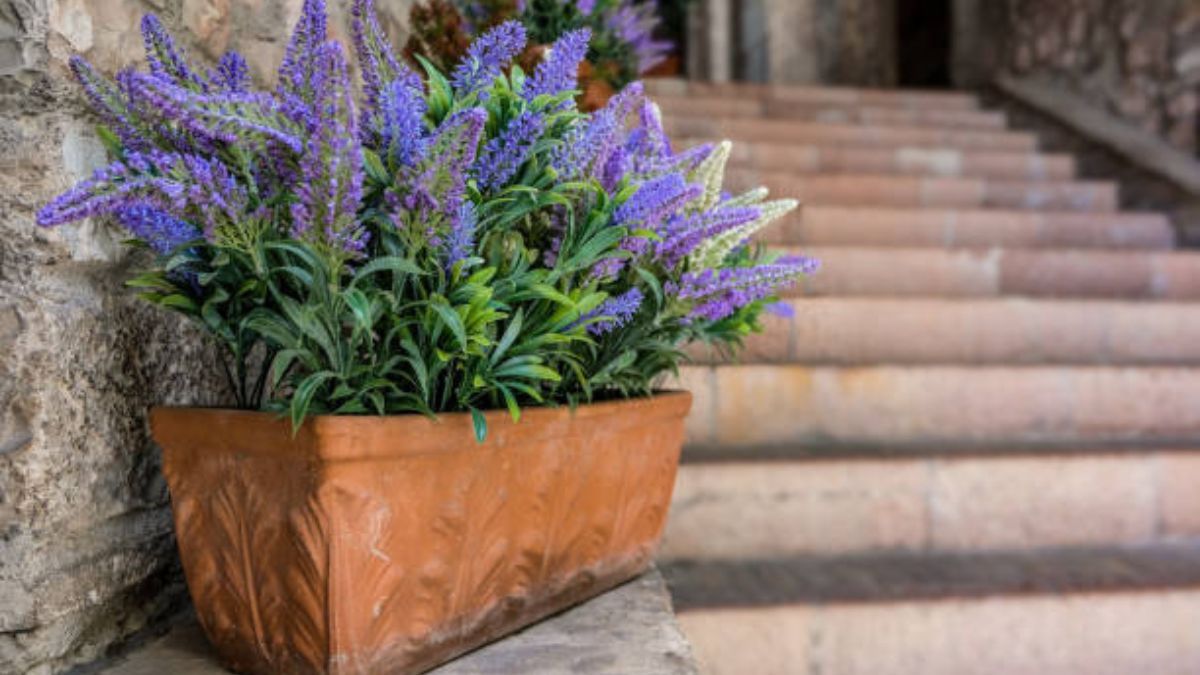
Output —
<point x="717" y="294"/>
<point x="162" y="231"/>
<point x="109" y="103"/>
<point x="450" y="155"/>
<point x="300" y="57"/>
<point x="635" y="24"/>
<point x="231" y="75"/>
<point x="686" y="232"/>
<point x="378" y="62"/>
<point x="165" y="59"/>
<point x="654" y="201"/>
<point x="400" y="122"/>
<point x="140" y="179"/>
<point x="188" y="187"/>
<point x="647" y="150"/>
<point x="254" y="119"/>
<point x="615" y="312"/>
<point x="503" y="156"/>
<point x="487" y="57"/>
<point x="587" y="149"/>
<point x="560" y="71"/>
<point x="461" y="239"/>
<point x="214" y="194"/>
<point x="330" y="186"/>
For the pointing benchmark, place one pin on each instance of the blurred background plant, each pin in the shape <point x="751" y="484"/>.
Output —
<point x="629" y="37"/>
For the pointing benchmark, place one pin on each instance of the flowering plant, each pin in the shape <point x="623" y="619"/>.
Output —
<point x="465" y="242"/>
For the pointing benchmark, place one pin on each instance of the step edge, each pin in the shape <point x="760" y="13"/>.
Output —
<point x="1056" y="572"/>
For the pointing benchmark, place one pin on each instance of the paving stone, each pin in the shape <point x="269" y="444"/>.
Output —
<point x="628" y="631"/>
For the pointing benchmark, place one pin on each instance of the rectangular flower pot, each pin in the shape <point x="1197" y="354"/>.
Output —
<point x="393" y="544"/>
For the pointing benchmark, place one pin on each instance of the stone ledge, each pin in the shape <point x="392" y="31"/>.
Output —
<point x="630" y="630"/>
<point x="1140" y="147"/>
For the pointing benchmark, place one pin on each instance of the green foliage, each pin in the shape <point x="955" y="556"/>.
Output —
<point x="402" y="327"/>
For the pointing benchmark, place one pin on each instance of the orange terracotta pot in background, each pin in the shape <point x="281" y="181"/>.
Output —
<point x="393" y="544"/>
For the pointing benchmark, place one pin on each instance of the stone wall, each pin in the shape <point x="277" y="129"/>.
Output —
<point x="847" y="42"/>
<point x="87" y="557"/>
<point x="856" y="42"/>
<point x="1139" y="59"/>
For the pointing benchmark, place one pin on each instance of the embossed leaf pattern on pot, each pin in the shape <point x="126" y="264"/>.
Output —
<point x="389" y="545"/>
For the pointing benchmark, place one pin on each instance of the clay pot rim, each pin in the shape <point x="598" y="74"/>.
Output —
<point x="331" y="438"/>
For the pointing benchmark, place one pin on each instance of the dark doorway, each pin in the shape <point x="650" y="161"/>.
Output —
<point x="923" y="43"/>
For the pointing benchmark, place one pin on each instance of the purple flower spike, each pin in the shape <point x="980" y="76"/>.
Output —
<point x="441" y="183"/>
<point x="296" y="71"/>
<point x="716" y="294"/>
<point x="654" y="201"/>
<point x="616" y="312"/>
<point x="461" y="240"/>
<point x="504" y="155"/>
<point x="114" y="187"/>
<point x="232" y="75"/>
<point x="187" y="187"/>
<point x="560" y="71"/>
<point x="109" y="103"/>
<point x="165" y="58"/>
<point x="683" y="234"/>
<point x="250" y="118"/>
<point x="635" y="24"/>
<point x="162" y="231"/>
<point x="399" y="123"/>
<point x="331" y="176"/>
<point x="586" y="152"/>
<point x="375" y="56"/>
<point x="487" y="57"/>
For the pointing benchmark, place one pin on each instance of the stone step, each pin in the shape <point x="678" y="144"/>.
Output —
<point x="865" y="331"/>
<point x="991" y="272"/>
<point x="840" y="113"/>
<point x="787" y="131"/>
<point x="821" y="157"/>
<point x="920" y="191"/>
<point x="831" y="502"/>
<point x="1072" y="612"/>
<point x="945" y="227"/>
<point x="907" y="98"/>
<point x="751" y="406"/>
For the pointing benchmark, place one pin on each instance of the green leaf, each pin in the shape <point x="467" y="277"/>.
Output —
<point x="511" y="402"/>
<point x="393" y="264"/>
<point x="303" y="396"/>
<point x="179" y="302"/>
<point x="453" y="321"/>
<point x="374" y="167"/>
<point x="110" y="141"/>
<point x="479" y="421"/>
<point x="510" y="335"/>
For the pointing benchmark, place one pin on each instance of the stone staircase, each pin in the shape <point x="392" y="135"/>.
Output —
<point x="974" y="448"/>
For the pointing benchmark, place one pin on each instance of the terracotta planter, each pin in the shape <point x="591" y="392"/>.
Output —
<point x="672" y="66"/>
<point x="595" y="91"/>
<point x="393" y="544"/>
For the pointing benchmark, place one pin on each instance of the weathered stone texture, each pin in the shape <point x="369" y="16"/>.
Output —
<point x="87" y="556"/>
<point x="630" y="630"/>
<point x="1140" y="60"/>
